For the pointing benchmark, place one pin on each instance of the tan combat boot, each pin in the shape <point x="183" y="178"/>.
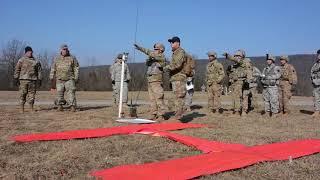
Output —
<point x="316" y="114"/>
<point x="73" y="109"/>
<point x="60" y="108"/>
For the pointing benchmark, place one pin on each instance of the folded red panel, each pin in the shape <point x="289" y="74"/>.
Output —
<point x="195" y="166"/>
<point x="203" y="145"/>
<point x="103" y="132"/>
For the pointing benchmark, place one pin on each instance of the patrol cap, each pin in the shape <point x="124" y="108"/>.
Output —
<point x="64" y="46"/>
<point x="212" y="53"/>
<point x="286" y="58"/>
<point x="28" y="48"/>
<point x="119" y="56"/>
<point x="174" y="39"/>
<point x="318" y="52"/>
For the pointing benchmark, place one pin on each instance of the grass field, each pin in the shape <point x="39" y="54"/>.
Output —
<point x="74" y="159"/>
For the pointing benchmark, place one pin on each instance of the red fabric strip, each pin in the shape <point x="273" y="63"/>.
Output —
<point x="103" y="132"/>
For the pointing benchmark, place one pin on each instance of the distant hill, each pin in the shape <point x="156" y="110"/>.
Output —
<point x="97" y="78"/>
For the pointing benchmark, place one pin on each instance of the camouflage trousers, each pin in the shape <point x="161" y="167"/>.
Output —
<point x="68" y="87"/>
<point x="188" y="98"/>
<point x="239" y="96"/>
<point x="214" y="96"/>
<point x="156" y="95"/>
<point x="116" y="92"/>
<point x="316" y="97"/>
<point x="27" y="91"/>
<point x="179" y="90"/>
<point x="284" y="95"/>
<point x="271" y="99"/>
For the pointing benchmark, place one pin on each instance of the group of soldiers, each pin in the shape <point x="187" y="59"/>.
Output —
<point x="277" y="81"/>
<point x="64" y="75"/>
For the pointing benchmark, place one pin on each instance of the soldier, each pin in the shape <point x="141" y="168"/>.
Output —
<point x="155" y="63"/>
<point x="65" y="73"/>
<point x="214" y="77"/>
<point x="116" y="80"/>
<point x="26" y="75"/>
<point x="286" y="81"/>
<point x="315" y="77"/>
<point x="177" y="75"/>
<point x="240" y="75"/>
<point x="270" y="81"/>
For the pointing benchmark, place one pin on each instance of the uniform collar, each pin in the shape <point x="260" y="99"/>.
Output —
<point x="177" y="50"/>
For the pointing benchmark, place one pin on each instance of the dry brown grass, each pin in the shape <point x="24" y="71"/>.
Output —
<point x="74" y="159"/>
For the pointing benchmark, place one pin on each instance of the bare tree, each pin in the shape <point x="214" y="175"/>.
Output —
<point x="45" y="59"/>
<point x="11" y="53"/>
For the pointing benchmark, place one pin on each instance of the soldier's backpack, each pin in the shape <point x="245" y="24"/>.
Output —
<point x="189" y="66"/>
<point x="294" y="75"/>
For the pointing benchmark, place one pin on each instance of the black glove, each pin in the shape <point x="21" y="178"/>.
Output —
<point x="128" y="81"/>
<point x="113" y="82"/>
<point x="136" y="46"/>
<point x="16" y="82"/>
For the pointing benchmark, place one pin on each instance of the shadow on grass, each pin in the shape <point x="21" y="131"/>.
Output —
<point x="91" y="108"/>
<point x="306" y="112"/>
<point x="190" y="117"/>
<point x="196" y="107"/>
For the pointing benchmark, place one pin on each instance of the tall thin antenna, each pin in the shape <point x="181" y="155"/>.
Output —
<point x="136" y="30"/>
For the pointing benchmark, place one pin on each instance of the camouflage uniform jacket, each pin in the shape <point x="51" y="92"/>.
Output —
<point x="155" y="64"/>
<point x="65" y="68"/>
<point x="116" y="72"/>
<point x="215" y="72"/>
<point x="240" y="71"/>
<point x="28" y="69"/>
<point x="272" y="74"/>
<point x="176" y="65"/>
<point x="287" y="71"/>
<point x="315" y="70"/>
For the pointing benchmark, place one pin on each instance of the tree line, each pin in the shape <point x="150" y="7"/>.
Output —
<point x="97" y="78"/>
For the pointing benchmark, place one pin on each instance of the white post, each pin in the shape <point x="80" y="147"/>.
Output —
<point x="121" y="85"/>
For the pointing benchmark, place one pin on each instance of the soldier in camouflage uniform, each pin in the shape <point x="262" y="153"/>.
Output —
<point x="65" y="71"/>
<point x="286" y="82"/>
<point x="270" y="81"/>
<point x="26" y="75"/>
<point x="155" y="63"/>
<point x="113" y="83"/>
<point x="240" y="75"/>
<point x="177" y="76"/>
<point x="116" y="80"/>
<point x="315" y="77"/>
<point x="214" y="77"/>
